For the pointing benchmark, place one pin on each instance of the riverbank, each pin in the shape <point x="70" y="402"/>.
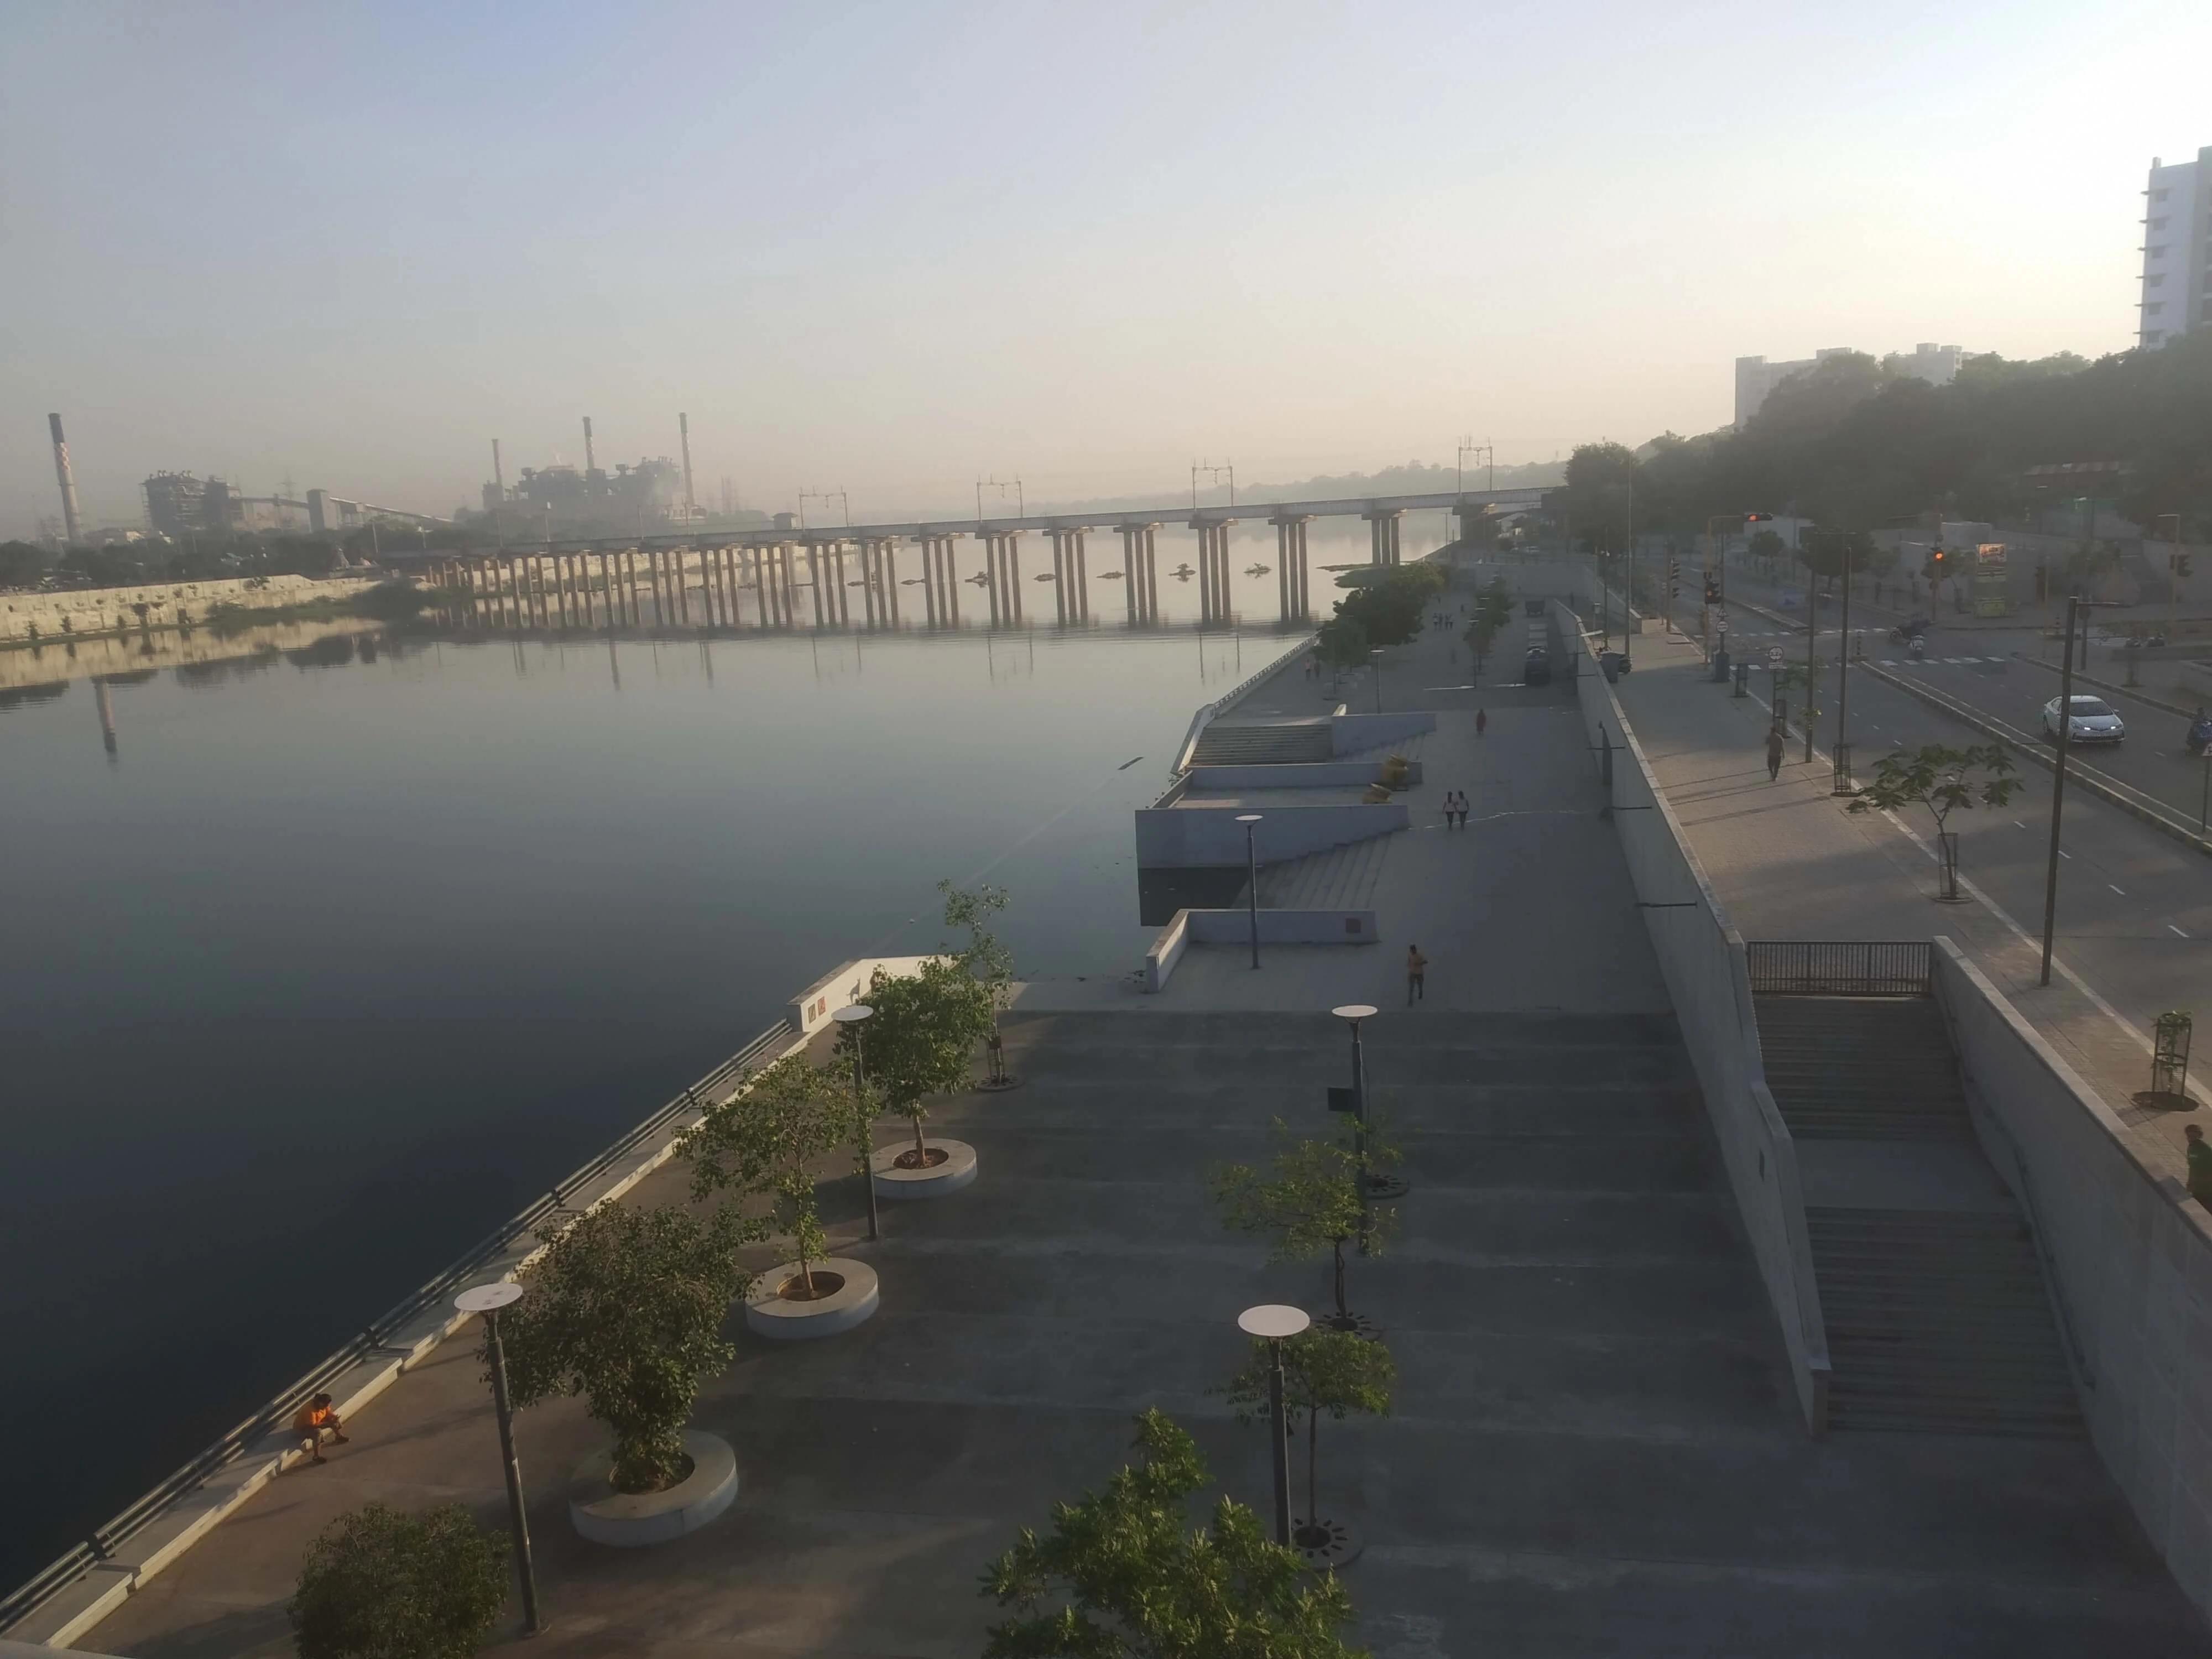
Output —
<point x="31" y="618"/>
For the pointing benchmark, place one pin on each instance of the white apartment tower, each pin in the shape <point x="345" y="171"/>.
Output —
<point x="2177" y="251"/>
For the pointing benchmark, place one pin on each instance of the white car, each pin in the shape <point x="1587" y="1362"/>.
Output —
<point x="2094" y="720"/>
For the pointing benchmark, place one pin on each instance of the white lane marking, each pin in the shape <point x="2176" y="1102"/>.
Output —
<point x="2064" y="853"/>
<point x="2122" y="891"/>
<point x="2171" y="928"/>
<point x="2016" y="823"/>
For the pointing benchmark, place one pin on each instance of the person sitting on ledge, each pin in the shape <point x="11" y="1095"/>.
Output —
<point x="316" y="1418"/>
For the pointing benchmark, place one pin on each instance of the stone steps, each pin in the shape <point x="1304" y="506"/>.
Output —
<point x="1272" y="742"/>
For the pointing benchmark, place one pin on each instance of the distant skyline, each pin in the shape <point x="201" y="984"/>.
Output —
<point x="891" y="249"/>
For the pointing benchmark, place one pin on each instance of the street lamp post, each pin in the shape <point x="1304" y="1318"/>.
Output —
<point x="1250" y="821"/>
<point x="1371" y="1186"/>
<point x="2058" y="785"/>
<point x="487" y="1300"/>
<point x="853" y="1017"/>
<point x="1377" y="653"/>
<point x="1275" y="1323"/>
<point x="1842" y="783"/>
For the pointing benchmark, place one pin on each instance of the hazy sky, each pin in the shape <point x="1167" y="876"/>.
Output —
<point x="893" y="247"/>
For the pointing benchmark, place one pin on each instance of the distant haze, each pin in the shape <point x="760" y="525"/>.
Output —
<point x="892" y="249"/>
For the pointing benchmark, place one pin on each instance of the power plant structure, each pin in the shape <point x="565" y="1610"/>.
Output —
<point x="72" y="527"/>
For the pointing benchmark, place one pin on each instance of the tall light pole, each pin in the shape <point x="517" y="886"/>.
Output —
<point x="1842" y="785"/>
<point x="2058" y="786"/>
<point x="487" y="1300"/>
<point x="854" y="1017"/>
<point x="1375" y="652"/>
<point x="1275" y="1323"/>
<point x="1250" y="821"/>
<point x="2172" y="576"/>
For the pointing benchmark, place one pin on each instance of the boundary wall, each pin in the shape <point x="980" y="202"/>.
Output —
<point x="1199" y="837"/>
<point x="2127" y="1254"/>
<point x="1701" y="956"/>
<point x="114" y="610"/>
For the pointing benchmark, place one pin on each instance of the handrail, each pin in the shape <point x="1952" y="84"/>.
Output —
<point x="106" y="1539"/>
<point x="1840" y="968"/>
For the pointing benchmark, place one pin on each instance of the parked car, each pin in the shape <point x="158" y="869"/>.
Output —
<point x="1536" y="666"/>
<point x="2094" y="720"/>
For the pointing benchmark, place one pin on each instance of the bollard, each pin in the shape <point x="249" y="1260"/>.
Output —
<point x="2169" y="1063"/>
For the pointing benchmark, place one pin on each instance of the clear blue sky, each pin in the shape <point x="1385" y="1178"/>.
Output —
<point x="892" y="247"/>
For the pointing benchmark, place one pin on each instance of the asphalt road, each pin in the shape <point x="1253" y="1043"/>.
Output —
<point x="2135" y="906"/>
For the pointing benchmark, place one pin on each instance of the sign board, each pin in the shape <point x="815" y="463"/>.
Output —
<point x="1723" y="623"/>
<point x="1774" y="656"/>
<point x="1992" y="597"/>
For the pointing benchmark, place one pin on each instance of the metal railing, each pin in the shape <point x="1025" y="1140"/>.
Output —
<point x="106" y="1539"/>
<point x="1840" y="968"/>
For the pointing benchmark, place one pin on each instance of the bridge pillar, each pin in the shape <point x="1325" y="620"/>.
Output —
<point x="1140" y="572"/>
<point x="1213" y="567"/>
<point x="1383" y="533"/>
<point x="1082" y="577"/>
<point x="1290" y="568"/>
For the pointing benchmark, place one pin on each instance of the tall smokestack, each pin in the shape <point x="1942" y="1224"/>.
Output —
<point x="69" y="481"/>
<point x="499" y="482"/>
<point x="683" y="426"/>
<point x="590" y="465"/>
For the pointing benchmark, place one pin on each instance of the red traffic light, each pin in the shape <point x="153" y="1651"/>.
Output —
<point x="1757" y="518"/>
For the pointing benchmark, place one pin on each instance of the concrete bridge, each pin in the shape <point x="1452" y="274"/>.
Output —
<point x="599" y="582"/>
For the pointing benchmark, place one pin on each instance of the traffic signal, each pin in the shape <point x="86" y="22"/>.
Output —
<point x="1712" y="592"/>
<point x="1757" y="518"/>
<point x="1935" y="557"/>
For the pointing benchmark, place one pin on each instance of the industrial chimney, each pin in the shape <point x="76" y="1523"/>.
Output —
<point x="683" y="426"/>
<point x="590" y="465"/>
<point x="69" y="481"/>
<point x="499" y="482"/>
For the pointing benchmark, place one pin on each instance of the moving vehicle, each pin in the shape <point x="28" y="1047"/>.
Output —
<point x="2200" y="733"/>
<point x="1536" y="666"/>
<point x="1905" y="632"/>
<point x="2093" y="720"/>
<point x="1917" y="647"/>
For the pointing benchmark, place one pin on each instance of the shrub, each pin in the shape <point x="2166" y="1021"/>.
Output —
<point x="381" y="1584"/>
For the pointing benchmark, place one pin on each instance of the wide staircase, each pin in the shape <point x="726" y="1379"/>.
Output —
<point x="1272" y="742"/>
<point x="1938" y="1316"/>
<point x="1337" y="879"/>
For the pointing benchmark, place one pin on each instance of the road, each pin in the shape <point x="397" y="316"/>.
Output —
<point x="2135" y="905"/>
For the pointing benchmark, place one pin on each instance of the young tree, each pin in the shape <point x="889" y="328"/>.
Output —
<point x="626" y="1308"/>
<point x="1323" y="1370"/>
<point x="766" y="1140"/>
<point x="379" y="1584"/>
<point x="1942" y="779"/>
<point x="923" y="1037"/>
<point x="985" y="956"/>
<point x="1766" y="545"/>
<point x="1312" y="1200"/>
<point x="1120" y="1576"/>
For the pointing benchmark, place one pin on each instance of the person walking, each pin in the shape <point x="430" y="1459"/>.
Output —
<point x="1417" y="976"/>
<point x="1481" y="721"/>
<point x="1773" y="753"/>
<point x="1462" y="809"/>
<point x="1450" y="807"/>
<point x="2199" y="1166"/>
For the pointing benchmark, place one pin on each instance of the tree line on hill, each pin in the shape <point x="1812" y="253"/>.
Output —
<point x="1855" y="446"/>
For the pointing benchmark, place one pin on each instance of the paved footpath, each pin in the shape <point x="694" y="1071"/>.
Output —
<point x="1789" y="862"/>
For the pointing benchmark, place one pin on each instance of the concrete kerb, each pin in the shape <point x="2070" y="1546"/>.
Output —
<point x="1702" y="958"/>
<point x="2135" y="804"/>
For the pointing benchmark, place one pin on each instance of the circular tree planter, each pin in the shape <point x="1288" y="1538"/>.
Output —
<point x="1325" y="1543"/>
<point x="845" y="1294"/>
<point x="950" y="1165"/>
<point x="631" y="1520"/>
<point x="1357" y="1323"/>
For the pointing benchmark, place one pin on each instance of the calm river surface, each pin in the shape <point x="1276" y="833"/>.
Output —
<point x="346" y="954"/>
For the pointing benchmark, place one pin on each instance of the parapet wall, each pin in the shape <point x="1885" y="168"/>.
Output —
<point x="1701" y="956"/>
<point x="2127" y="1254"/>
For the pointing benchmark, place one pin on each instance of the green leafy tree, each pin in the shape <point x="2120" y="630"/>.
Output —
<point x="21" y="564"/>
<point x="1341" y="642"/>
<point x="921" y="1040"/>
<point x="1308" y="1202"/>
<point x="381" y="1584"/>
<point x="1323" y="1370"/>
<point x="1389" y="603"/>
<point x="1944" y="781"/>
<point x="985" y="956"/>
<point x="1766" y="545"/>
<point x="765" y="1140"/>
<point x="1120" y="1576"/>
<point x="626" y="1308"/>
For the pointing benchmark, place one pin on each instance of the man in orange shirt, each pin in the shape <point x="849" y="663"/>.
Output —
<point x="317" y="1419"/>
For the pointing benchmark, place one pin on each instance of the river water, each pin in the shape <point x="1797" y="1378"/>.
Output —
<point x="344" y="954"/>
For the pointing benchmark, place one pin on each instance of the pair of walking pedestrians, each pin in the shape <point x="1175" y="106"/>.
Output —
<point x="1455" y="809"/>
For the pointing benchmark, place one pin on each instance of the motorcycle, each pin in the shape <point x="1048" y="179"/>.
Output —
<point x="1906" y="632"/>
<point x="1917" y="647"/>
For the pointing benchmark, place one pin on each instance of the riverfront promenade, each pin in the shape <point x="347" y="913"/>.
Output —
<point x="1595" y="1446"/>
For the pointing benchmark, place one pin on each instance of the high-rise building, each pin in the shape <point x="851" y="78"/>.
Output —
<point x="1755" y="376"/>
<point x="2177" y="251"/>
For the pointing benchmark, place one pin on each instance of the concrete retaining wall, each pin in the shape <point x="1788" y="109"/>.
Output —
<point x="1189" y="837"/>
<point x="841" y="987"/>
<point x="1191" y="927"/>
<point x="104" y="610"/>
<point x="1291" y="774"/>
<point x="1350" y="734"/>
<point x="2127" y="1255"/>
<point x="1701" y="956"/>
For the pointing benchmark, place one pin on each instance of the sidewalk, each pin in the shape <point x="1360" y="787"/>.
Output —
<point x="1789" y="861"/>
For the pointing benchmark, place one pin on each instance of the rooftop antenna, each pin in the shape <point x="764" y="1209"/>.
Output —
<point x="68" y="480"/>
<point x="683" y="427"/>
<point x="590" y="465"/>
